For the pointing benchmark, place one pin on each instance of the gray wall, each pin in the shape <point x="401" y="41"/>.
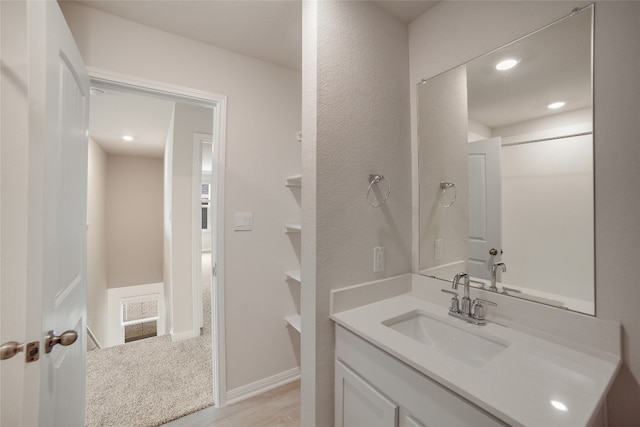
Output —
<point x="188" y="119"/>
<point x="97" y="241"/>
<point x="362" y="127"/>
<point x="444" y="149"/>
<point x="617" y="195"/>
<point x="134" y="220"/>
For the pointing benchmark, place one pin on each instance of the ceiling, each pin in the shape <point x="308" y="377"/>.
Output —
<point x="406" y="11"/>
<point x="270" y="30"/>
<point x="555" y="65"/>
<point x="114" y="114"/>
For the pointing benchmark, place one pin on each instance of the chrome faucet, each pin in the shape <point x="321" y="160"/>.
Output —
<point x="494" y="274"/>
<point x="472" y="312"/>
<point x="465" y="307"/>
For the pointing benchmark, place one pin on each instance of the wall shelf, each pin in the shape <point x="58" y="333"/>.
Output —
<point x="293" y="228"/>
<point x="294" y="181"/>
<point x="293" y="275"/>
<point x="294" y="321"/>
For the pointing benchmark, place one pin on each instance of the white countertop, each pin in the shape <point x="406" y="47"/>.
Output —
<point x="517" y="385"/>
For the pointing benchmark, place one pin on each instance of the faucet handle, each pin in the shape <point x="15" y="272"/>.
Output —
<point x="455" y="304"/>
<point x="478" y="308"/>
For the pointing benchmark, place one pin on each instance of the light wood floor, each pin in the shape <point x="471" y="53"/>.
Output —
<point x="279" y="407"/>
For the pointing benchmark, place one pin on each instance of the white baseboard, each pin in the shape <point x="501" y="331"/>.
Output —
<point x="179" y="336"/>
<point x="261" y="386"/>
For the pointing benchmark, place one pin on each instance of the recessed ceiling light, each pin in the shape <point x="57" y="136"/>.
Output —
<point x="96" y="91"/>
<point x="127" y="137"/>
<point x="555" y="105"/>
<point x="559" y="405"/>
<point x="506" y="64"/>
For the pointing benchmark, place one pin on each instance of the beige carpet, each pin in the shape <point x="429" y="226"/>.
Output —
<point x="152" y="381"/>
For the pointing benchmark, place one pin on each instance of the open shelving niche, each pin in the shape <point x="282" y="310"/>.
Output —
<point x="294" y="181"/>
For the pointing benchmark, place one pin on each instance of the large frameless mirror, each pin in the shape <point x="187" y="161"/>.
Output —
<point x="506" y="168"/>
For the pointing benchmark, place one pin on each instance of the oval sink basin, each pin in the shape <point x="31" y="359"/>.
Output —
<point x="455" y="342"/>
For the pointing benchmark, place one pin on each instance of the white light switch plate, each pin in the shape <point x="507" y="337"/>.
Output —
<point x="243" y="221"/>
<point x="439" y="247"/>
<point x="378" y="259"/>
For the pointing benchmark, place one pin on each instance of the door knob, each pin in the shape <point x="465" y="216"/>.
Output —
<point x="64" y="339"/>
<point x="494" y="252"/>
<point x="10" y="349"/>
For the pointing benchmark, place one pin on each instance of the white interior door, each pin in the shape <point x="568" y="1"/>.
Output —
<point x="14" y="181"/>
<point x="485" y="205"/>
<point x="54" y="217"/>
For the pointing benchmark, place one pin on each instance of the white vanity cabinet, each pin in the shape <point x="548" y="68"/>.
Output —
<point x="361" y="404"/>
<point x="373" y="388"/>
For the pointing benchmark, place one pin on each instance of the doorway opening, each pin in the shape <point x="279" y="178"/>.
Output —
<point x="188" y="292"/>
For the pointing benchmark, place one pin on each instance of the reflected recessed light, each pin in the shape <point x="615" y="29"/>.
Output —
<point x="506" y="64"/>
<point x="559" y="405"/>
<point x="555" y="105"/>
<point x="127" y="137"/>
<point x="96" y="91"/>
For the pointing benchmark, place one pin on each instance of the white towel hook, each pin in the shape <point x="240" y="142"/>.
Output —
<point x="444" y="186"/>
<point x="375" y="179"/>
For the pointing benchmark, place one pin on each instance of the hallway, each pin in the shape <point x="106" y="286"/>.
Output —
<point x="152" y="381"/>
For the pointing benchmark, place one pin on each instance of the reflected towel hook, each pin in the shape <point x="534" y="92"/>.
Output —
<point x="444" y="186"/>
<point x="375" y="179"/>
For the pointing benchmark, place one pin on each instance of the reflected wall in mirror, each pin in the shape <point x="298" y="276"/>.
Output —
<point x="504" y="177"/>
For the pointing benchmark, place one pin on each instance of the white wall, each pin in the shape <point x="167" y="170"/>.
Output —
<point x="188" y="119"/>
<point x="263" y="118"/>
<point x="444" y="152"/>
<point x="14" y="202"/>
<point x="134" y="220"/>
<point x="167" y="254"/>
<point x="448" y="35"/>
<point x="311" y="389"/>
<point x="361" y="95"/>
<point x="547" y="193"/>
<point x="97" y="241"/>
<point x="617" y="195"/>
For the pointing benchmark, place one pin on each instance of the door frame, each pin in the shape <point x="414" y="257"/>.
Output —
<point x="196" y="220"/>
<point x="219" y="104"/>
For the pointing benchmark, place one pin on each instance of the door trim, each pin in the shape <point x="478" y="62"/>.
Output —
<point x="196" y="222"/>
<point x="219" y="103"/>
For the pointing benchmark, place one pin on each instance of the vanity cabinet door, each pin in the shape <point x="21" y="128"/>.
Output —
<point x="358" y="404"/>
<point x="406" y="420"/>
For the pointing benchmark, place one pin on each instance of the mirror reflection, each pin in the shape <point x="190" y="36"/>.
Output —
<point x="506" y="168"/>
